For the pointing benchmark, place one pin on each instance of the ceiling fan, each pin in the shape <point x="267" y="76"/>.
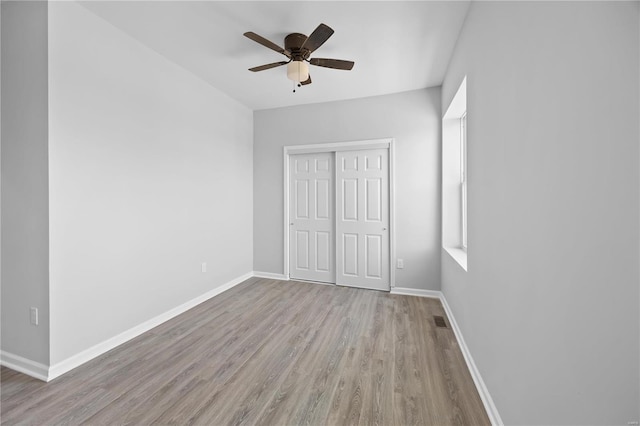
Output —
<point x="298" y="47"/>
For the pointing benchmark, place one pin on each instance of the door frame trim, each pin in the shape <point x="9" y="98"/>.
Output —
<point x="385" y="143"/>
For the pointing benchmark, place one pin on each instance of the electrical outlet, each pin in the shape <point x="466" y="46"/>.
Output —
<point x="33" y="315"/>
<point x="204" y="266"/>
<point x="400" y="264"/>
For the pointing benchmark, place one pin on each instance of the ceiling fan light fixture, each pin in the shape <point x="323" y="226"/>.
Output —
<point x="298" y="71"/>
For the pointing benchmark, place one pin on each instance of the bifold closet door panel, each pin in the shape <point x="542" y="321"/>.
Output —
<point x="362" y="222"/>
<point x="311" y="227"/>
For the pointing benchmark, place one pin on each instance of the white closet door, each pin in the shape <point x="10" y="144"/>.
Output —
<point x="311" y="237"/>
<point x="362" y="225"/>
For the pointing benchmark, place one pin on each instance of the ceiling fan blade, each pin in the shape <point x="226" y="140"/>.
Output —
<point x="307" y="81"/>
<point x="266" y="43"/>
<point x="268" y="66"/>
<point x="337" y="64"/>
<point x="317" y="37"/>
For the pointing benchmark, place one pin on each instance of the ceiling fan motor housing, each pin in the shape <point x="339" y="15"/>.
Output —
<point x="293" y="43"/>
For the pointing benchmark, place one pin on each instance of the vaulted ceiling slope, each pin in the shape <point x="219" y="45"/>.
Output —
<point x="396" y="45"/>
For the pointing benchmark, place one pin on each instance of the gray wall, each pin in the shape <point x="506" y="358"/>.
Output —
<point x="25" y="205"/>
<point x="549" y="305"/>
<point x="150" y="175"/>
<point x="412" y="118"/>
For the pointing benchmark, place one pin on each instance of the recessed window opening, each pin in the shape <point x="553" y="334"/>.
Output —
<point x="463" y="178"/>
<point x="455" y="205"/>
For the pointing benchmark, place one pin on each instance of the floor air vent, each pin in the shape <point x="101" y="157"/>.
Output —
<point x="439" y="321"/>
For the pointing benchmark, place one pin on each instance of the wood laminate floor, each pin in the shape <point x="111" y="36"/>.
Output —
<point x="272" y="353"/>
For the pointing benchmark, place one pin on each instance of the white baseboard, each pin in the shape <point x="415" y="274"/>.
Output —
<point x="489" y="405"/>
<point x="97" y="350"/>
<point x="24" y="365"/>
<point x="405" y="291"/>
<point x="270" y="275"/>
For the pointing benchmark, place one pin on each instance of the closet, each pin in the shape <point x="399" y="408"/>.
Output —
<point x="338" y="214"/>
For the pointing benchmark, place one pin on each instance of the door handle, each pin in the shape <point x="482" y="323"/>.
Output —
<point x="291" y="224"/>
<point x="384" y="229"/>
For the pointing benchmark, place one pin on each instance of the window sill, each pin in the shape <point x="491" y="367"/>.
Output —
<point x="458" y="255"/>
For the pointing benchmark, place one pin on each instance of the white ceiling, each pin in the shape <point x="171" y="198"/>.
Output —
<point x="396" y="46"/>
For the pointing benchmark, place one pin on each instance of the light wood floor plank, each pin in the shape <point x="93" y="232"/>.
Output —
<point x="268" y="352"/>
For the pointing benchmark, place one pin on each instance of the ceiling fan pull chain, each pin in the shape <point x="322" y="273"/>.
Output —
<point x="294" y="87"/>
